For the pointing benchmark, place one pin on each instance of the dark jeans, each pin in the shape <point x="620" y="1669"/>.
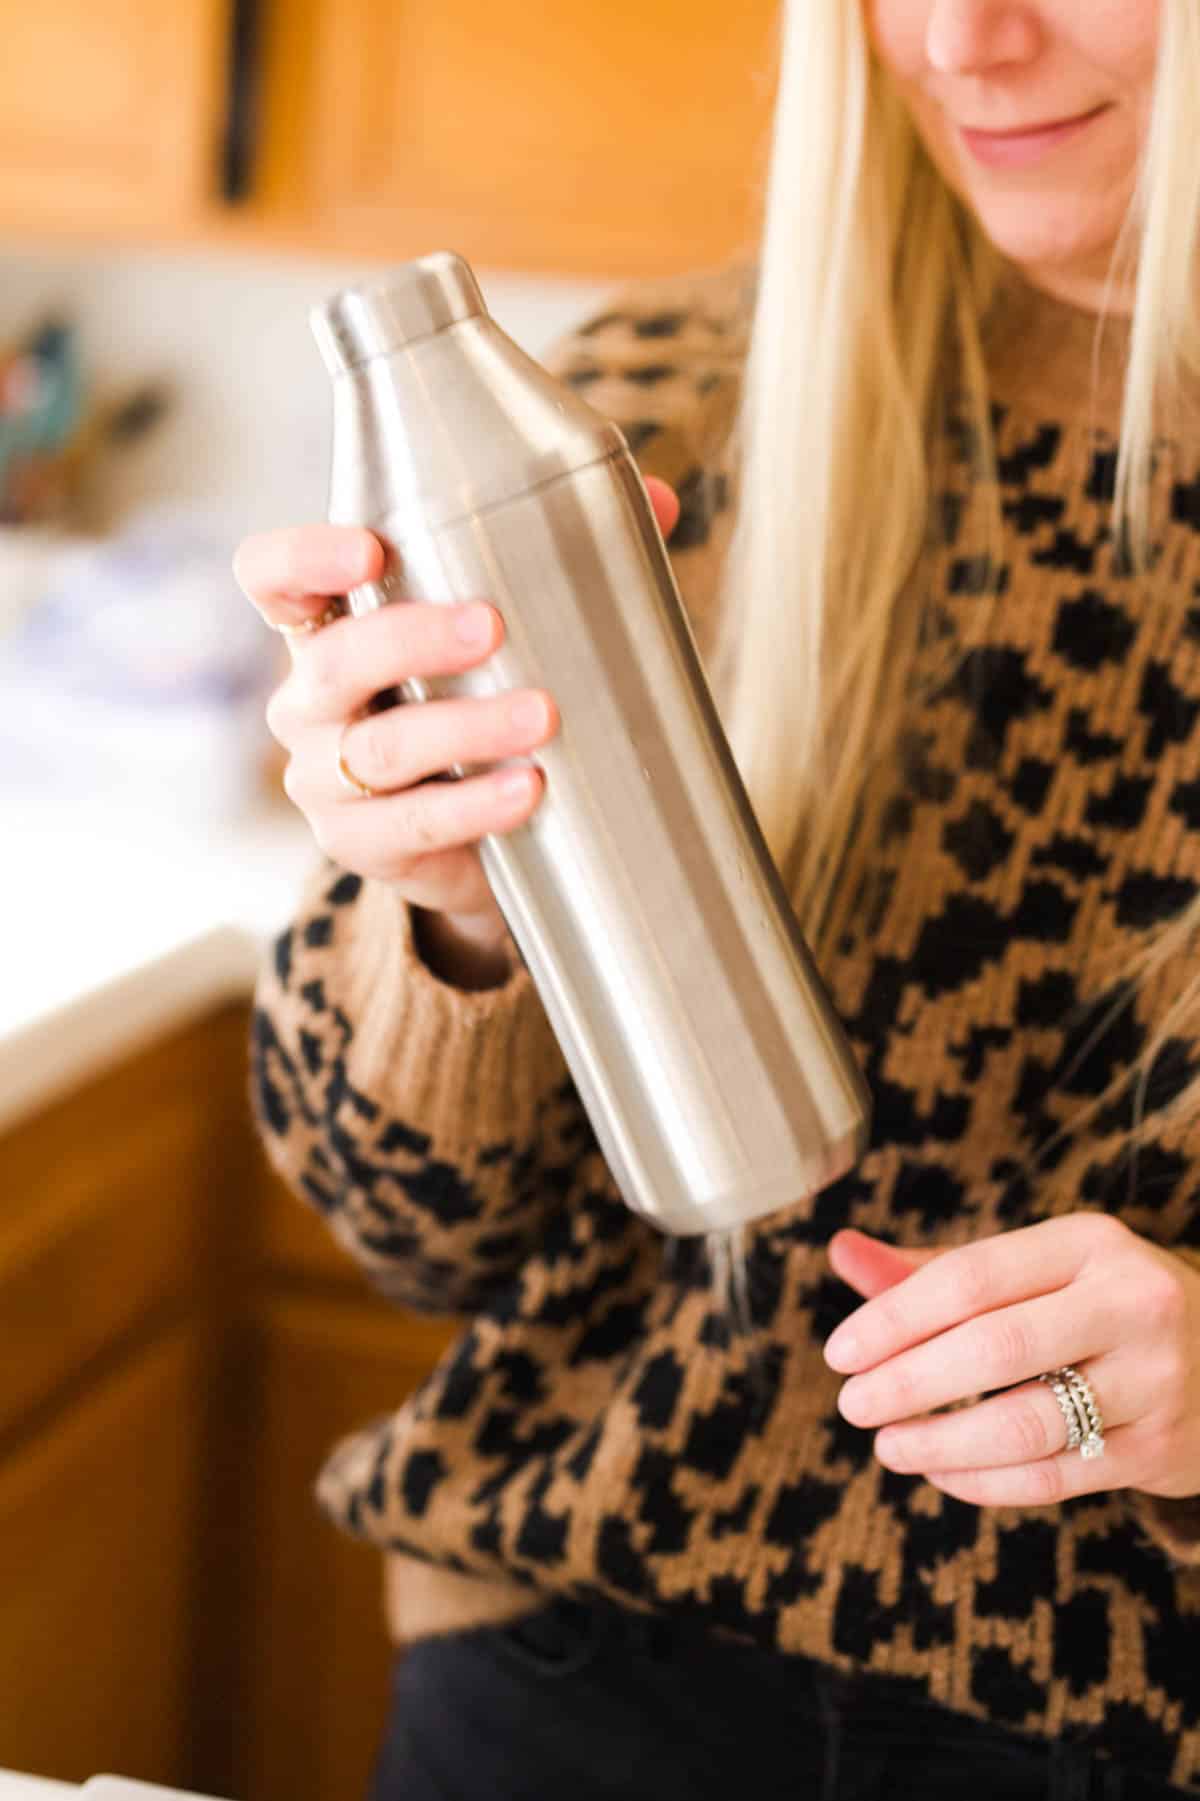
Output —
<point x="573" y="1704"/>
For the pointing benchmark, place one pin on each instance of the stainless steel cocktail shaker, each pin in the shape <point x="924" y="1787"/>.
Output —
<point x="641" y="894"/>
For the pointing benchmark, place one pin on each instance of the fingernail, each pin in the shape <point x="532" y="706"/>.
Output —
<point x="473" y="625"/>
<point x="529" y="713"/>
<point x="359" y="552"/>
<point x="854" y="1403"/>
<point x="841" y="1349"/>
<point x="515" y="785"/>
<point x="889" y="1452"/>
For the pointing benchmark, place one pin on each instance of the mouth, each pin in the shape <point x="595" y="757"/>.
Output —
<point x="1024" y="144"/>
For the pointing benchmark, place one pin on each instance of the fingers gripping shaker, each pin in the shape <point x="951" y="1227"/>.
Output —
<point x="640" y="894"/>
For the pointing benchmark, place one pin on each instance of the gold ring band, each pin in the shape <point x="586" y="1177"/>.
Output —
<point x="307" y="627"/>
<point x="346" y="775"/>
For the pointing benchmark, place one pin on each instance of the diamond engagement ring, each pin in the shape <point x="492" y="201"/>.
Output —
<point x="1077" y="1403"/>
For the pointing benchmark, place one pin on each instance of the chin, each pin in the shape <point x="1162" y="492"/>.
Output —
<point x="1027" y="232"/>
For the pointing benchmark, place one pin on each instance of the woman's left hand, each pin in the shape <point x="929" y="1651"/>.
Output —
<point x="1080" y="1290"/>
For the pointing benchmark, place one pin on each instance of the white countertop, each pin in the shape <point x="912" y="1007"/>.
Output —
<point x="15" y="1787"/>
<point x="120" y="926"/>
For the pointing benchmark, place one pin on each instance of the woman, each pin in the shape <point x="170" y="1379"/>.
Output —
<point x="938" y="526"/>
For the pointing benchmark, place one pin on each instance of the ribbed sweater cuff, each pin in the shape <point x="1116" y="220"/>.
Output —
<point x="471" y="1069"/>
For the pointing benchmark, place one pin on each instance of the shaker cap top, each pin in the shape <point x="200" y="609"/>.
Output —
<point x="413" y="301"/>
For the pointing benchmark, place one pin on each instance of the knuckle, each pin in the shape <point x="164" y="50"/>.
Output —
<point x="969" y="1285"/>
<point x="1173" y="1382"/>
<point x="277" y="711"/>
<point x="904" y="1390"/>
<point x="421" y="832"/>
<point x="1006" y="1345"/>
<point x="893" y="1316"/>
<point x="1106" y="1233"/>
<point x="323" y="676"/>
<point x="1046" y="1482"/>
<point x="370" y="749"/>
<point x="1030" y="1434"/>
<point x="1164" y="1296"/>
<point x="292" y="783"/>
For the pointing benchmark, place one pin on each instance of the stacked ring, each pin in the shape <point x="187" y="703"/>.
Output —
<point x="305" y="628"/>
<point x="1077" y="1404"/>
<point x="1062" y="1395"/>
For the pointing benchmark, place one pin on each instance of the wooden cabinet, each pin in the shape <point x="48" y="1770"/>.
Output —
<point x="112" y="1216"/>
<point x="318" y="1660"/>
<point x="580" y="140"/>
<point x="180" y="1344"/>
<point x="120" y="1268"/>
<point x="328" y="1355"/>
<point x="101" y="1517"/>
<point x="109" y="115"/>
<point x="576" y="139"/>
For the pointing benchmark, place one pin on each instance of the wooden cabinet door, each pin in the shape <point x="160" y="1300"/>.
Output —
<point x="120" y="1209"/>
<point x="316" y="1661"/>
<point x="100" y="1523"/>
<point x="578" y="139"/>
<point x="109" y="113"/>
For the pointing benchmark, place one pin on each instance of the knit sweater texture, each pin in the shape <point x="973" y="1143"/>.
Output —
<point x="600" y="1429"/>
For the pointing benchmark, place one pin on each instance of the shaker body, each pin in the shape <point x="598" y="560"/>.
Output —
<point x="640" y="894"/>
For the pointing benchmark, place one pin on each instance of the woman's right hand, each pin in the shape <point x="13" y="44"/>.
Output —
<point x="419" y="834"/>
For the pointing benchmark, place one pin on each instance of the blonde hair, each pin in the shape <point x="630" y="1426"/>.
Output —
<point x="870" y="270"/>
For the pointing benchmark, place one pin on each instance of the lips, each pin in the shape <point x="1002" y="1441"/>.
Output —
<point x="1025" y="131"/>
<point x="1023" y="144"/>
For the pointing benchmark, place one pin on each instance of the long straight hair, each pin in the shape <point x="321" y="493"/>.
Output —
<point x="869" y="270"/>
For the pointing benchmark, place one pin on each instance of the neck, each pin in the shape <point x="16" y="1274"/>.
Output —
<point x="1046" y="349"/>
<point x="1098" y="292"/>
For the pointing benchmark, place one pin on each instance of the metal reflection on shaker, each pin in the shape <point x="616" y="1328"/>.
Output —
<point x="640" y="894"/>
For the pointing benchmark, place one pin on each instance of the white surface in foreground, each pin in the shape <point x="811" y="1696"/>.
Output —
<point x="15" y="1787"/>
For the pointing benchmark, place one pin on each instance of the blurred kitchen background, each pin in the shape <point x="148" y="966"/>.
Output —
<point x="178" y="1342"/>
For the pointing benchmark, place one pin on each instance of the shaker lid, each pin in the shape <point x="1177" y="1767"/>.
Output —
<point x="413" y="301"/>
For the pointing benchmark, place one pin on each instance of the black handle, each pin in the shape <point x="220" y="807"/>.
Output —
<point x="241" y="101"/>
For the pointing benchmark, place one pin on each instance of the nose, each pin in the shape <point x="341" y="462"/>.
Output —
<point x="974" y="37"/>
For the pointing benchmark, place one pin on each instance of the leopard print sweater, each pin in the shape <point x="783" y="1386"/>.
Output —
<point x="599" y="1429"/>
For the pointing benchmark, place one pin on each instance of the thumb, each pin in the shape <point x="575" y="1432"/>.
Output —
<point x="869" y="1265"/>
<point x="665" y="502"/>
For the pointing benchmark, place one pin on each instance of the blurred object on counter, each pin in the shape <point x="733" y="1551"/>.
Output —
<point x="41" y="402"/>
<point x="138" y="674"/>
<point x="51" y="435"/>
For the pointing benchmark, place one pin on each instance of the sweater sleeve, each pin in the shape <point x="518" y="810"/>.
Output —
<point x="435" y="1129"/>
